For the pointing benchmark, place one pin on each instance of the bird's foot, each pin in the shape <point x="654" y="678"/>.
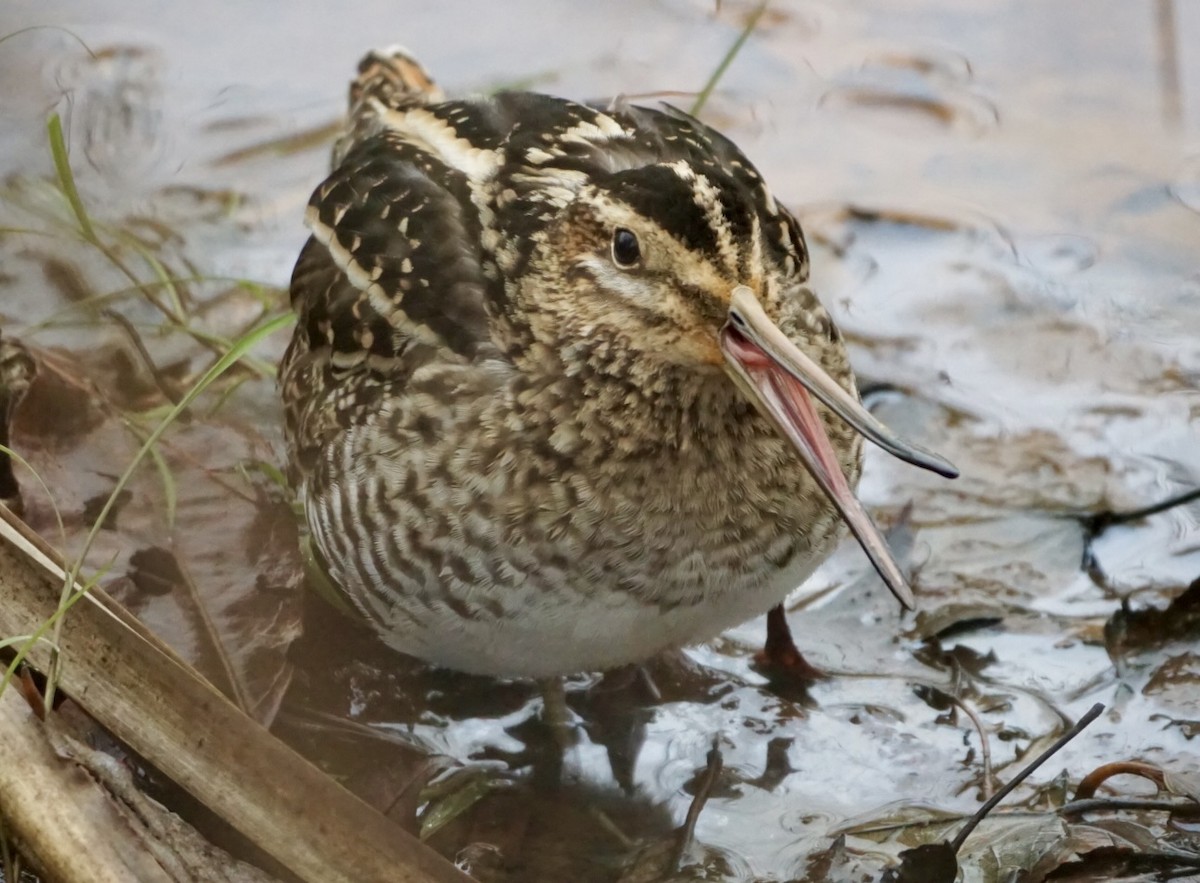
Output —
<point x="780" y="659"/>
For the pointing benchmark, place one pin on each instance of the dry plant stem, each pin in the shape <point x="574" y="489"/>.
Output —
<point x="604" y="821"/>
<point x="1182" y="808"/>
<point x="60" y="817"/>
<point x="687" y="833"/>
<point x="651" y="687"/>
<point x="985" y="746"/>
<point x="972" y="823"/>
<point x="1102" y="521"/>
<point x="171" y="841"/>
<point x="79" y="815"/>
<point x="1093" y="780"/>
<point x="25" y="686"/>
<point x="10" y="861"/>
<point x="136" y="687"/>
<point x="322" y="134"/>
<point x="135" y="339"/>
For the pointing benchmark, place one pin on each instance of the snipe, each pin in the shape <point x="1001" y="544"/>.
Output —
<point x="559" y="396"/>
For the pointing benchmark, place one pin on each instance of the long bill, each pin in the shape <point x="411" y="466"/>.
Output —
<point x="779" y="377"/>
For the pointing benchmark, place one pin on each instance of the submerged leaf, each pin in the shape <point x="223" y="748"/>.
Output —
<point x="1130" y="632"/>
<point x="931" y="863"/>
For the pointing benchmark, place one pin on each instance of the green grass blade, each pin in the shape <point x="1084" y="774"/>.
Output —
<point x="715" y="77"/>
<point x="40" y="636"/>
<point x="66" y="179"/>
<point x="14" y="641"/>
<point x="228" y="360"/>
<point x="17" y="458"/>
<point x="170" y="488"/>
<point x="74" y="36"/>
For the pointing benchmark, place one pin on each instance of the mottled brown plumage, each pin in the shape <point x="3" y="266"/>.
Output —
<point x="520" y="445"/>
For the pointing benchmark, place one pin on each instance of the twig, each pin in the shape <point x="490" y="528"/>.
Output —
<point x="1020" y="777"/>
<point x="688" y="832"/>
<point x="169" y="393"/>
<point x="985" y="746"/>
<point x="1101" y="521"/>
<point x="1094" y="804"/>
<point x="1089" y="783"/>
<point x="605" y="821"/>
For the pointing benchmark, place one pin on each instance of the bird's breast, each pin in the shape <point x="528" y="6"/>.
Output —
<point x="463" y="511"/>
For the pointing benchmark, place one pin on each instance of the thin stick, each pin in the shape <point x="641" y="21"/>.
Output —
<point x="985" y="746"/>
<point x="169" y="393"/>
<point x="972" y="823"/>
<point x="1184" y="808"/>
<point x="1089" y="783"/>
<point x="688" y="832"/>
<point x="1108" y="519"/>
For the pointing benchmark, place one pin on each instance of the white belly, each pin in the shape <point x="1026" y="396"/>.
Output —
<point x="569" y="633"/>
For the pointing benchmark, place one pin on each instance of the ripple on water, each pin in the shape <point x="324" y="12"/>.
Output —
<point x="117" y="108"/>
<point x="931" y="89"/>
<point x="1186" y="185"/>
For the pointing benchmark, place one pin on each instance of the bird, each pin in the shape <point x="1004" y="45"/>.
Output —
<point x="560" y="395"/>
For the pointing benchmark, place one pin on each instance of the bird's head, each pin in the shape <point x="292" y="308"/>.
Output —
<point x="651" y="255"/>
<point x="691" y="265"/>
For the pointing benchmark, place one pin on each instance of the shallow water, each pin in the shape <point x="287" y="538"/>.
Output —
<point x="1005" y="200"/>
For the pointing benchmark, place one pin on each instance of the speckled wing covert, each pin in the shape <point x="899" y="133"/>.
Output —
<point x="392" y="275"/>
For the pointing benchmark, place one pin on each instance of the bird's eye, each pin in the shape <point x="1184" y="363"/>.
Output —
<point x="626" y="252"/>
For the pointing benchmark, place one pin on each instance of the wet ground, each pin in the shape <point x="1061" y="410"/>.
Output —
<point x="1005" y="203"/>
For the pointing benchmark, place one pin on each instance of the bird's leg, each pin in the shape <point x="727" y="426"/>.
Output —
<point x="555" y="713"/>
<point x="550" y="754"/>
<point x="779" y="655"/>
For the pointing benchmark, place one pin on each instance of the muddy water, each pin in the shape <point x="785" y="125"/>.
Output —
<point x="1005" y="200"/>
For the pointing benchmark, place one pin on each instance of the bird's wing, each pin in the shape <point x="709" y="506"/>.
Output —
<point x="392" y="277"/>
<point x="400" y="226"/>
